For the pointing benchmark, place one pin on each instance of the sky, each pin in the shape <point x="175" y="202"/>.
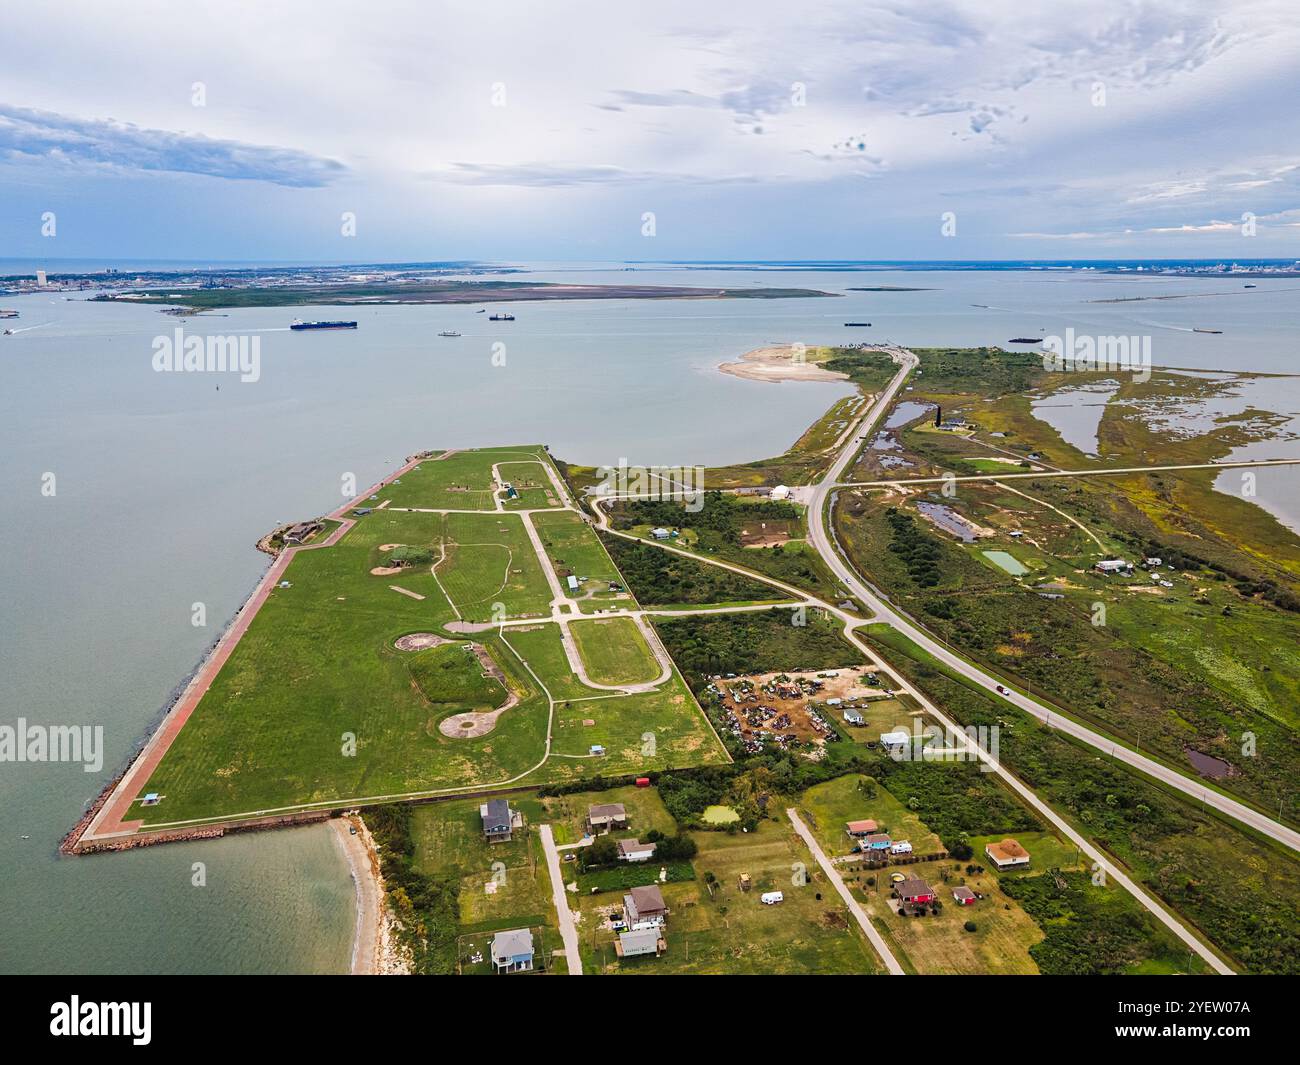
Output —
<point x="504" y="130"/>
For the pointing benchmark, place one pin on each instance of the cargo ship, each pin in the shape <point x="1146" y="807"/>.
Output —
<point x="298" y="323"/>
<point x="863" y="324"/>
<point x="501" y="317"/>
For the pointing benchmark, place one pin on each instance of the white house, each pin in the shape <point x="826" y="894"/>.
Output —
<point x="1113" y="565"/>
<point x="660" y="534"/>
<point x="1008" y="854"/>
<point x="573" y="583"/>
<point x="895" y="741"/>
<point x="631" y="850"/>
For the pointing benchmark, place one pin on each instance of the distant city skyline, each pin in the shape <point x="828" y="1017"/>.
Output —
<point x="964" y="131"/>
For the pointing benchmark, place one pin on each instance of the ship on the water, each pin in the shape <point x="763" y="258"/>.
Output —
<point x="8" y="314"/>
<point x="501" y="317"/>
<point x="449" y="333"/>
<point x="298" y="323"/>
<point x="863" y="324"/>
<point x="1198" y="329"/>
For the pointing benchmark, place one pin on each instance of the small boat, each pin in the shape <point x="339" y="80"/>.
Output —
<point x="9" y="332"/>
<point x="449" y="333"/>
<point x="8" y="314"/>
<point x="501" y="317"/>
<point x="1251" y="286"/>
<point x="298" y="323"/>
<point x="849" y="325"/>
<point x="1025" y="340"/>
<point x="1198" y="329"/>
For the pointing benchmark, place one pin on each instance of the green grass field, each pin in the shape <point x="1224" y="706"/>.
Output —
<point x="490" y="561"/>
<point x="614" y="651"/>
<point x="316" y="706"/>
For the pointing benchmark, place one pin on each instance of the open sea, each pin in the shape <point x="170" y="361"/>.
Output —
<point x="163" y="482"/>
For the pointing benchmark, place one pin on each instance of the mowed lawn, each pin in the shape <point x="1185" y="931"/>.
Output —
<point x="731" y="931"/>
<point x="532" y="483"/>
<point x="490" y="560"/>
<point x="614" y="651"/>
<point x="542" y="648"/>
<point x="645" y="811"/>
<point x="318" y="665"/>
<point x="659" y="729"/>
<point x="461" y="481"/>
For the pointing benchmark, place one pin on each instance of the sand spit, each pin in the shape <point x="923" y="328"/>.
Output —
<point x="784" y="363"/>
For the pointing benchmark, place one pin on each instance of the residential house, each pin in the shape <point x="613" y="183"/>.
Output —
<point x="877" y="841"/>
<point x="895" y="741"/>
<point x="499" y="821"/>
<point x="645" y="905"/>
<point x="631" y="850"/>
<point x="638" y="941"/>
<point x="964" y="896"/>
<point x="1113" y="565"/>
<point x="914" y="892"/>
<point x="512" y="951"/>
<point x="1008" y="855"/>
<point x="660" y="534"/>
<point x="603" y="817"/>
<point x="858" y="829"/>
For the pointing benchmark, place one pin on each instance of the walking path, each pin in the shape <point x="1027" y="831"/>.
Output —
<point x="859" y="914"/>
<point x="568" y="930"/>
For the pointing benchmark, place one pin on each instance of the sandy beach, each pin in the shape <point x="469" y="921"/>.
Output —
<point x="375" y="951"/>
<point x="784" y="363"/>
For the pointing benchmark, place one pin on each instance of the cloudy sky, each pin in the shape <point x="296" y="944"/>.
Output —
<point x="496" y="129"/>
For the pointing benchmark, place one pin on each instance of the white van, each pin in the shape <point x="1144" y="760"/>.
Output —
<point x="771" y="898"/>
<point x="901" y="847"/>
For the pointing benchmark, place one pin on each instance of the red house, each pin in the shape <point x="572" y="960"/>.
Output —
<point x="915" y="892"/>
<point x="964" y="896"/>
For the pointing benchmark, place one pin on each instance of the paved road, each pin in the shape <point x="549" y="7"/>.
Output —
<point x="859" y="914"/>
<point x="821" y="540"/>
<point x="958" y="739"/>
<point x="1045" y="474"/>
<point x="568" y="930"/>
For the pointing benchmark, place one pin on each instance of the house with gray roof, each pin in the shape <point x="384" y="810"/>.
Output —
<point x="499" y="821"/>
<point x="606" y="816"/>
<point x="640" y="941"/>
<point x="512" y="951"/>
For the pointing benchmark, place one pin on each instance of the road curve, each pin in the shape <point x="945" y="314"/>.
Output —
<point x="821" y="540"/>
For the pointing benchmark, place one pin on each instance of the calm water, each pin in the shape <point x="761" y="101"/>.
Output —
<point x="163" y="484"/>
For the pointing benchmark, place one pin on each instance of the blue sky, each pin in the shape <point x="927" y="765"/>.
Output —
<point x="749" y="130"/>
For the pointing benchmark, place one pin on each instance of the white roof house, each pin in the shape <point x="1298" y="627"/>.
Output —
<point x="893" y="740"/>
<point x="573" y="583"/>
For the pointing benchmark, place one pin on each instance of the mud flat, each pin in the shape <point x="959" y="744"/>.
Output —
<point x="786" y="363"/>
